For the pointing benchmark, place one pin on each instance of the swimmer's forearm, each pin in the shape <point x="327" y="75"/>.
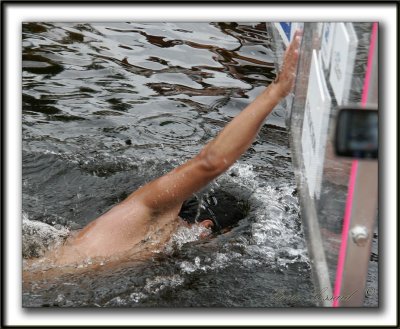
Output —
<point x="240" y="133"/>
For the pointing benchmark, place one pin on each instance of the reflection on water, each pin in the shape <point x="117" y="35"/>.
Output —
<point x="109" y="106"/>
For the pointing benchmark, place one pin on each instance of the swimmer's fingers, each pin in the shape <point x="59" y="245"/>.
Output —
<point x="298" y="33"/>
<point x="296" y="41"/>
<point x="292" y="54"/>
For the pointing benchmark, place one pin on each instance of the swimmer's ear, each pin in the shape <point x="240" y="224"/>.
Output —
<point x="207" y="223"/>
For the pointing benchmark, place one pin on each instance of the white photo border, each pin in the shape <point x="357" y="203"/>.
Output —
<point x="15" y="13"/>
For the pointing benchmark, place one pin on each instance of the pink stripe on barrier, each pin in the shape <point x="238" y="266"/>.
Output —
<point x="345" y="232"/>
<point x="353" y="175"/>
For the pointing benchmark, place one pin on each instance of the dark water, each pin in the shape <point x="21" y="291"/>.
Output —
<point x="106" y="108"/>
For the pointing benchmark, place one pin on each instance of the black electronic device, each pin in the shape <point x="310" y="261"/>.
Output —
<point x="357" y="133"/>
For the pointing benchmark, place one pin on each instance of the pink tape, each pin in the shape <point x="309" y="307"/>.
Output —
<point x="353" y="175"/>
<point x="345" y="233"/>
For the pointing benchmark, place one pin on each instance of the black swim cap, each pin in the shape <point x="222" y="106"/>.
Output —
<point x="224" y="213"/>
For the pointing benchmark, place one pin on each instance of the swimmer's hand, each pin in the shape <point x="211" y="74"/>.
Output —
<point x="285" y="79"/>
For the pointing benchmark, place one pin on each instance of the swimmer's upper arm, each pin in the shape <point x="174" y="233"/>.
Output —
<point x="170" y="190"/>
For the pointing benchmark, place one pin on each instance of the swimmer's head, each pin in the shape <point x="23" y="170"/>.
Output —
<point x="218" y="217"/>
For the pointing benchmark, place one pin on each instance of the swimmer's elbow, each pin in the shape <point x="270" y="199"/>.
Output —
<point x="212" y="163"/>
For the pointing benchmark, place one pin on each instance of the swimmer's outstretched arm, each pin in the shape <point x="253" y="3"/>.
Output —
<point x="170" y="190"/>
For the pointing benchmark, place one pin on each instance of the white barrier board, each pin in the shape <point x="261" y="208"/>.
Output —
<point x="342" y="62"/>
<point x="315" y="126"/>
<point x="328" y="34"/>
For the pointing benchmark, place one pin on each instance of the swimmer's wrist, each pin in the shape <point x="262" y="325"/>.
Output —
<point x="275" y="92"/>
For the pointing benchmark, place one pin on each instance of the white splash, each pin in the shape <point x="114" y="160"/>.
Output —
<point x="184" y="235"/>
<point x="38" y="237"/>
<point x="274" y="240"/>
<point x="158" y="283"/>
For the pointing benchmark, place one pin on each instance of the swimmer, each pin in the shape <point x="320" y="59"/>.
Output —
<point x="148" y="217"/>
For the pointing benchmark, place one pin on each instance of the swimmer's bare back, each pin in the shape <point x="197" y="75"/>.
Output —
<point x="127" y="227"/>
<point x="146" y="219"/>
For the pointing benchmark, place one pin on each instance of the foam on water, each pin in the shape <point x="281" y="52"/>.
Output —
<point x="184" y="235"/>
<point x="153" y="286"/>
<point x="38" y="237"/>
<point x="276" y="233"/>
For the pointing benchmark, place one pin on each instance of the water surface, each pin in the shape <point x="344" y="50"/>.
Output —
<point x="108" y="107"/>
